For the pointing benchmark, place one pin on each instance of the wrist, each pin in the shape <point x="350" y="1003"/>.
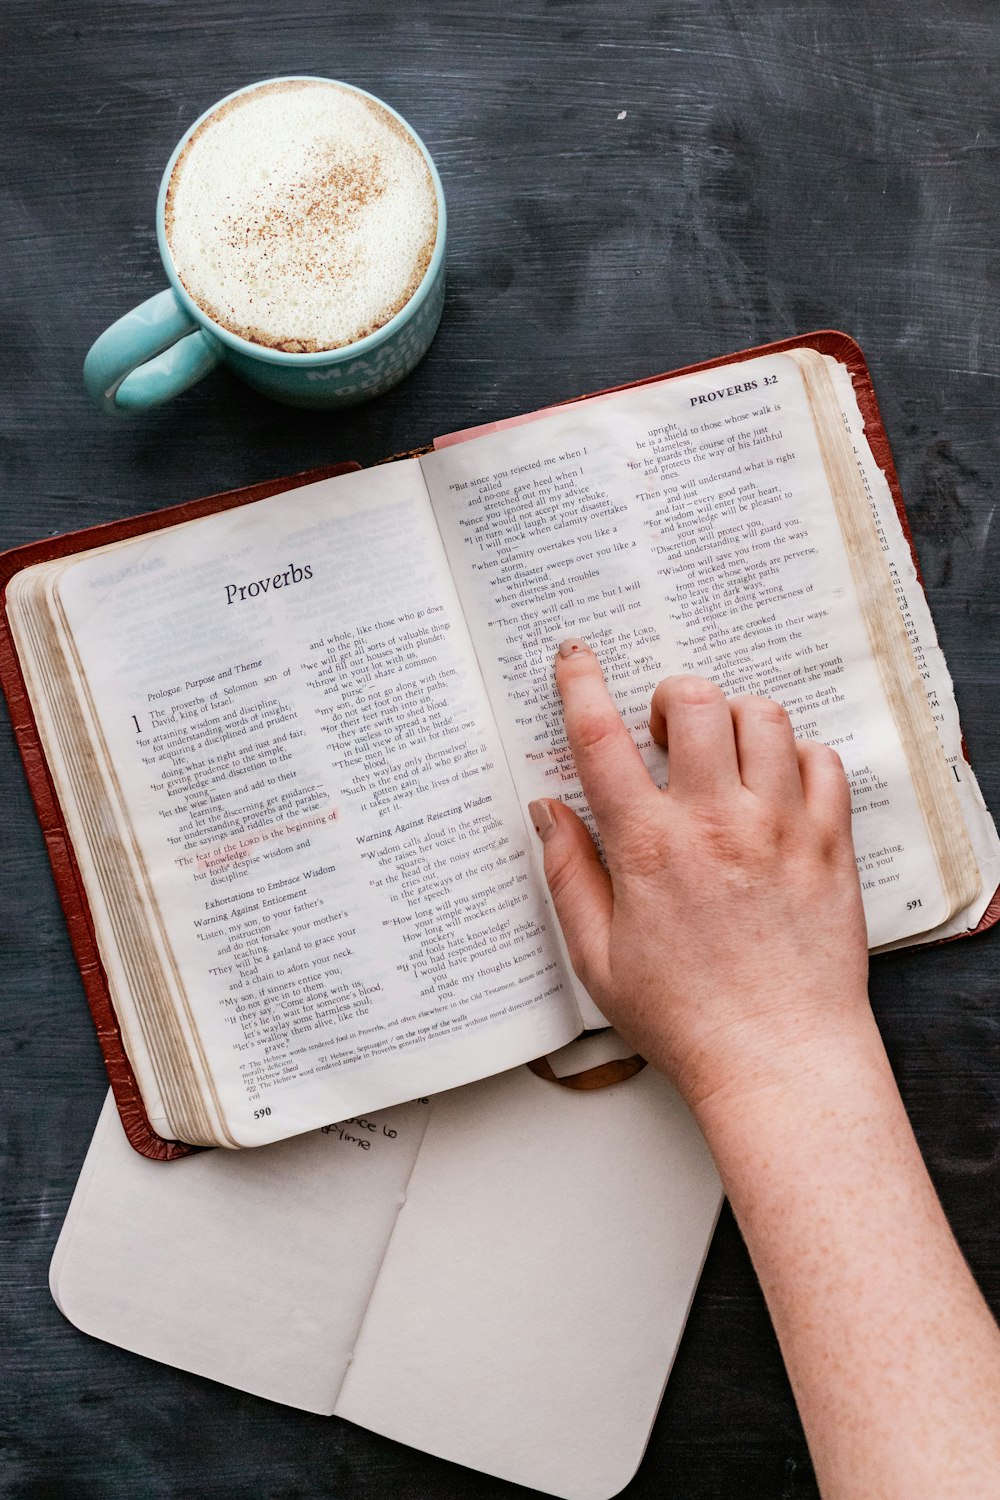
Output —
<point x="818" y="1059"/>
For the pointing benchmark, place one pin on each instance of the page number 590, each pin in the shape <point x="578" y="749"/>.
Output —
<point x="259" y="1114"/>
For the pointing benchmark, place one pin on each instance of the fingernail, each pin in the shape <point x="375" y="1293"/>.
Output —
<point x="541" y="815"/>
<point x="571" y="646"/>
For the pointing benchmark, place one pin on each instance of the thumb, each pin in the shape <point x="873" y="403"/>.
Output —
<point x="580" y="887"/>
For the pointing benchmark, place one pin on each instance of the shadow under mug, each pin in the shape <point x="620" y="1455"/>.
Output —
<point x="167" y="343"/>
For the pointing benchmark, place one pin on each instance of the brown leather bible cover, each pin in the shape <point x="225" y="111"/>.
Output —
<point x="64" y="867"/>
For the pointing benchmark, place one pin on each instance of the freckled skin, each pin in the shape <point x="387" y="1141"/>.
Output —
<point x="725" y="939"/>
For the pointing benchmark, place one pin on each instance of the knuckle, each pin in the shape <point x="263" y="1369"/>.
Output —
<point x="561" y="873"/>
<point x="748" y="839"/>
<point x="830" y="781"/>
<point x="691" y="690"/>
<point x="732" y="847"/>
<point x="643" y="846"/>
<point x="763" y="710"/>
<point x="595" y="727"/>
<point x="644" y="855"/>
<point x="773" y="713"/>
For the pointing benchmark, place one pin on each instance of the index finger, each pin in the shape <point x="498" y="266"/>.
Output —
<point x="614" y="779"/>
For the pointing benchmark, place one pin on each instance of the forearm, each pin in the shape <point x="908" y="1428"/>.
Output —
<point x="892" y="1353"/>
<point x="763" y="1022"/>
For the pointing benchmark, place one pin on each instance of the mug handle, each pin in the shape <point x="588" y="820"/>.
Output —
<point x="150" y="355"/>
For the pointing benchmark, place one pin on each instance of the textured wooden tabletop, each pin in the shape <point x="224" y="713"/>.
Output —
<point x="632" y="186"/>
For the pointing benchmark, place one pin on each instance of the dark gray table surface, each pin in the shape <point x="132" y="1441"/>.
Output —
<point x="632" y="186"/>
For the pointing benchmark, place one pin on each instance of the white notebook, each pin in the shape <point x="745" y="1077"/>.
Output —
<point x="499" y="1276"/>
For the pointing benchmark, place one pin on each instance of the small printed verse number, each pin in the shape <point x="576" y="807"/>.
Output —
<point x="912" y="905"/>
<point x="259" y="1114"/>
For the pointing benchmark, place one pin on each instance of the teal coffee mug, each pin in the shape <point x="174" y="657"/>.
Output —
<point x="301" y="231"/>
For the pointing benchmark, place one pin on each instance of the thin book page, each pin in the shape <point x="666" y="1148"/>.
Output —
<point x="890" y="643"/>
<point x="915" y="611"/>
<point x="137" y="966"/>
<point x="319" y="797"/>
<point x="685" y="526"/>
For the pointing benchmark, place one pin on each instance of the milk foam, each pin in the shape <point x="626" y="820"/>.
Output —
<point x="301" y="216"/>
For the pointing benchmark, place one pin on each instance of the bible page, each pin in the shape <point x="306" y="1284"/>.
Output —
<point x="685" y="526"/>
<point x="304" y="752"/>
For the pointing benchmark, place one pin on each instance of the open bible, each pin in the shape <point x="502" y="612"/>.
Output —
<point x="292" y="742"/>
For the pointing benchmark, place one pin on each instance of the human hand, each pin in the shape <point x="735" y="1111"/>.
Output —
<point x="726" y="937"/>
